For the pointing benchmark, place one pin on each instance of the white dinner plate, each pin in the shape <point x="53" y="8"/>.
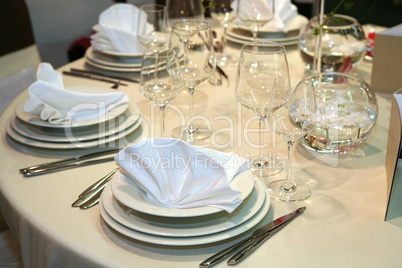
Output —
<point x="86" y="133"/>
<point x="35" y="120"/>
<point x="113" y="61"/>
<point x="129" y="194"/>
<point x="184" y="227"/>
<point x="189" y="241"/>
<point x="271" y="38"/>
<point x="122" y="54"/>
<point x="242" y="41"/>
<point x="112" y="68"/>
<point x="294" y="24"/>
<point x="66" y="145"/>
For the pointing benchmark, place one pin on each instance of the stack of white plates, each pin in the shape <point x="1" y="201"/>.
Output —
<point x="115" y="125"/>
<point x="127" y="209"/>
<point x="114" y="60"/>
<point x="239" y="33"/>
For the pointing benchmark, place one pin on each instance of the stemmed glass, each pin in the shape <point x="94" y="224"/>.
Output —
<point x="222" y="11"/>
<point x="255" y="13"/>
<point x="154" y="33"/>
<point x="259" y="65"/>
<point x="184" y="10"/>
<point x="192" y="40"/>
<point x="160" y="79"/>
<point x="292" y="121"/>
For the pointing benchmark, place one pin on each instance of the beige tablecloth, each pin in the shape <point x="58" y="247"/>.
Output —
<point x="343" y="225"/>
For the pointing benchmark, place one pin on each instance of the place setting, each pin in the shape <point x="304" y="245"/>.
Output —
<point x="123" y="33"/>
<point x="210" y="197"/>
<point x="59" y="117"/>
<point x="282" y="26"/>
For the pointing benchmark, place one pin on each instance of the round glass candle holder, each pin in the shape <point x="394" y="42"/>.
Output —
<point x="347" y="112"/>
<point x="343" y="44"/>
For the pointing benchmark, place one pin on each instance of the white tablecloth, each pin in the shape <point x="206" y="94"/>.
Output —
<point x="343" y="225"/>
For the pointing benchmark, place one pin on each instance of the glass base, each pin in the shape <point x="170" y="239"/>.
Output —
<point x="226" y="59"/>
<point x="192" y="135"/>
<point x="298" y="192"/>
<point x="264" y="168"/>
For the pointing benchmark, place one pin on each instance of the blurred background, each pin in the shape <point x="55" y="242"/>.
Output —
<point x="61" y="29"/>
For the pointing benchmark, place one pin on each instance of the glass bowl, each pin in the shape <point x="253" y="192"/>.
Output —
<point x="347" y="112"/>
<point x="343" y="44"/>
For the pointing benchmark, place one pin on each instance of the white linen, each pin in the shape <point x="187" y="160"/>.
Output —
<point x="178" y="175"/>
<point x="284" y="11"/>
<point x="49" y="100"/>
<point x="343" y="225"/>
<point x="117" y="29"/>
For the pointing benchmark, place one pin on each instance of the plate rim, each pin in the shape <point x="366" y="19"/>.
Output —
<point x="188" y="231"/>
<point x="110" y="68"/>
<point x="135" y="113"/>
<point x="18" y="110"/>
<point x="189" y="241"/>
<point x="171" y="212"/>
<point x="89" y="144"/>
<point x="91" y="55"/>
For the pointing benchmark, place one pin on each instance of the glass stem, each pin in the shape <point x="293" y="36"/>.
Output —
<point x="162" y="109"/>
<point x="289" y="185"/>
<point x="255" y="33"/>
<point x="261" y="124"/>
<point x="225" y="29"/>
<point x="191" y="108"/>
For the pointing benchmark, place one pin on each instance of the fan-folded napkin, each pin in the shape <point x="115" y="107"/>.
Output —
<point x="178" y="175"/>
<point x="284" y="11"/>
<point x="117" y="29"/>
<point x="49" y="100"/>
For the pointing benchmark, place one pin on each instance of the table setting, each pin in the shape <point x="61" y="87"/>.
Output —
<point x="135" y="155"/>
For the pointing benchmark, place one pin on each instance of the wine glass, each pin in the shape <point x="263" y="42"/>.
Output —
<point x="154" y="31"/>
<point x="160" y="79"/>
<point x="293" y="120"/>
<point x="192" y="41"/>
<point x="255" y="13"/>
<point x="259" y="65"/>
<point x="222" y="10"/>
<point x="184" y="10"/>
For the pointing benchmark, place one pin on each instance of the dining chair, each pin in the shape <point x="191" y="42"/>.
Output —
<point x="19" y="56"/>
<point x="19" y="60"/>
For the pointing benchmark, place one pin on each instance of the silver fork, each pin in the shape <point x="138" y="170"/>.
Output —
<point x="90" y="196"/>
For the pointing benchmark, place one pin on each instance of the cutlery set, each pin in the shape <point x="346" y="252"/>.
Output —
<point x="90" y="197"/>
<point x="115" y="80"/>
<point x="248" y="245"/>
<point x="69" y="163"/>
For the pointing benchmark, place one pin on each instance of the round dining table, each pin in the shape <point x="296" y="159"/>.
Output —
<point x="343" y="225"/>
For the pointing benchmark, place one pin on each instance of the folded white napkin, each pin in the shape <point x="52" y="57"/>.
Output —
<point x="284" y="11"/>
<point x="117" y="29"/>
<point x="49" y="100"/>
<point x="177" y="175"/>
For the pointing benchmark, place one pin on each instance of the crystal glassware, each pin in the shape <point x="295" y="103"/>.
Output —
<point x="192" y="41"/>
<point x="184" y="10"/>
<point x="259" y="65"/>
<point x="222" y="10"/>
<point x="294" y="119"/>
<point x="160" y="79"/>
<point x="255" y="14"/>
<point x="347" y="113"/>
<point x="155" y="32"/>
<point x="343" y="44"/>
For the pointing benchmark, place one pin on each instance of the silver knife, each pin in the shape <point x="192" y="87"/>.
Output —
<point x="255" y="236"/>
<point x="93" y="77"/>
<point x="51" y="169"/>
<point x="235" y="259"/>
<point x="69" y="160"/>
